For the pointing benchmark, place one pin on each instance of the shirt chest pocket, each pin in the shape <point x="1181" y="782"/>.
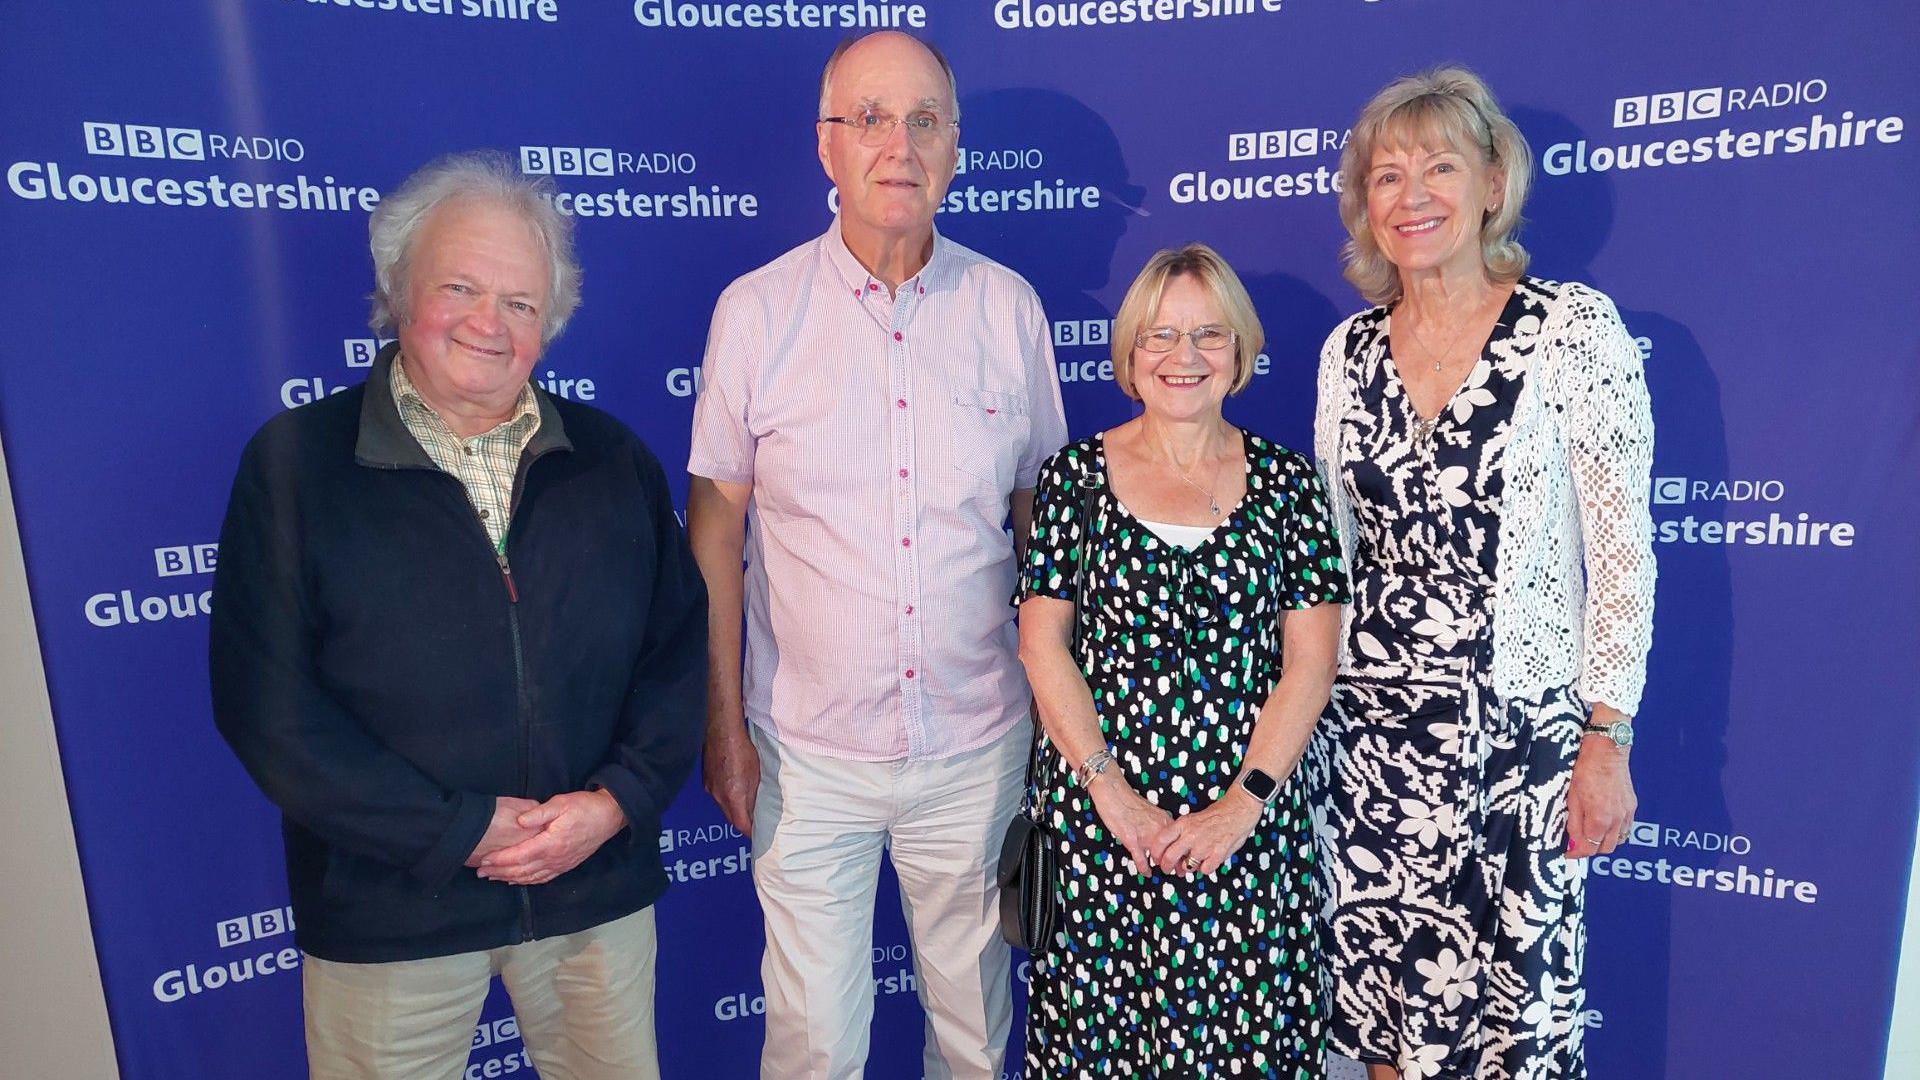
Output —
<point x="989" y="430"/>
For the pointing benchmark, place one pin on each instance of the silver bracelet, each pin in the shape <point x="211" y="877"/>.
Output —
<point x="1095" y="764"/>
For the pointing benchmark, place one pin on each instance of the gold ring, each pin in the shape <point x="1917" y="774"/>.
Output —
<point x="1190" y="864"/>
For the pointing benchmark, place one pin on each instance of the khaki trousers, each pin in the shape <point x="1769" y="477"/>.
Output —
<point x="819" y="827"/>
<point x="584" y="1003"/>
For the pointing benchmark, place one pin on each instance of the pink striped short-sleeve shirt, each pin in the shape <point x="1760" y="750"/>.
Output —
<point x="883" y="436"/>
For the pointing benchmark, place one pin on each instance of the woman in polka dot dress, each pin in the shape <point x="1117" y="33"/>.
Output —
<point x="1173" y="562"/>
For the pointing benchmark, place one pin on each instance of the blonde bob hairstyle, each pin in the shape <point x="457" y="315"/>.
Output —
<point x="1448" y="107"/>
<point x="1204" y="265"/>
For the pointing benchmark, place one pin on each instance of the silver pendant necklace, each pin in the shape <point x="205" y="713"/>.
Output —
<point x="1213" y="504"/>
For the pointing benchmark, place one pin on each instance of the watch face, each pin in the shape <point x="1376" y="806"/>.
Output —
<point x="1621" y="733"/>
<point x="1260" y="785"/>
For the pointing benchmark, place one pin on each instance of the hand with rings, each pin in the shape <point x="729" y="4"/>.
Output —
<point x="1199" y="842"/>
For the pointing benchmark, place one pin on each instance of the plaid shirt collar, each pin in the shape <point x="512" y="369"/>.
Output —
<point x="415" y="412"/>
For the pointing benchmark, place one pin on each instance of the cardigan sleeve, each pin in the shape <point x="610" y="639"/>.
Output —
<point x="1328" y="410"/>
<point x="1609" y="429"/>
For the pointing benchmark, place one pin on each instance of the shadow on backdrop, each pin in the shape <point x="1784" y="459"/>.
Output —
<point x="1683" y="719"/>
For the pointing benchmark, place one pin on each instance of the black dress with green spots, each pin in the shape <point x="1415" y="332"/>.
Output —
<point x="1160" y="975"/>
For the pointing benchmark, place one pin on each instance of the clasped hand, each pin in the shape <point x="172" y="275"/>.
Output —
<point x="530" y="843"/>
<point x="1195" y="843"/>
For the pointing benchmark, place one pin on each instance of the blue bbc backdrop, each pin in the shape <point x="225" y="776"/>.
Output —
<point x="184" y="217"/>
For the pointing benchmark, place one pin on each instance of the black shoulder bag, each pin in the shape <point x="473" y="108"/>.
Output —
<point x="1029" y="902"/>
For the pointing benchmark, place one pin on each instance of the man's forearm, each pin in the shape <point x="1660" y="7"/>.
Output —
<point x="716" y="531"/>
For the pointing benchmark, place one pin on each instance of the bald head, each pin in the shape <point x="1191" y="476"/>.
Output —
<point x="872" y="58"/>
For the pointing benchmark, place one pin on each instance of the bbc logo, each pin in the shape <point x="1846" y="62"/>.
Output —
<point x="260" y="924"/>
<point x="1703" y="104"/>
<point x="500" y="1031"/>
<point x="1262" y="145"/>
<point x="144" y="141"/>
<point x="362" y="350"/>
<point x="1071" y="332"/>
<point x="186" y="559"/>
<point x="566" y="160"/>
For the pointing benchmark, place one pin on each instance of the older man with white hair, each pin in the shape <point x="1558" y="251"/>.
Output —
<point x="877" y="402"/>
<point x="457" y="640"/>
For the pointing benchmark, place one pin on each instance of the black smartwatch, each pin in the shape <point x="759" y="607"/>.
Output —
<point x="1260" y="786"/>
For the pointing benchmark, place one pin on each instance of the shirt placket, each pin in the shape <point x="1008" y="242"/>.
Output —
<point x="903" y="484"/>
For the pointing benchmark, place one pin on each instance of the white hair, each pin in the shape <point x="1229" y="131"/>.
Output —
<point x="485" y="176"/>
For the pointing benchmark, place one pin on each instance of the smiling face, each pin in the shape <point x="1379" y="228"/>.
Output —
<point x="1427" y="204"/>
<point x="1188" y="383"/>
<point x="476" y="290"/>
<point x="890" y="190"/>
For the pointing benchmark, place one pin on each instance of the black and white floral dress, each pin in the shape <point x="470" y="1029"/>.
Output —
<point x="1452" y="924"/>
<point x="1159" y="975"/>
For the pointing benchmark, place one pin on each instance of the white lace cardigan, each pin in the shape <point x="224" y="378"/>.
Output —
<point x="1576" y="489"/>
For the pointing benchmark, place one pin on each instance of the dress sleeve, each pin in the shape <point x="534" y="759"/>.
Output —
<point x="1311" y="570"/>
<point x="1053" y="540"/>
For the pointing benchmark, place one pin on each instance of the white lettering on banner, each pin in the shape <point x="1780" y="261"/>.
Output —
<point x="685" y="382"/>
<point x="1709" y="102"/>
<point x="1678" y="489"/>
<point x="547" y="11"/>
<point x="974" y="161"/>
<point x="185" y="559"/>
<point x="602" y="161"/>
<point x="683" y="870"/>
<point x="1191" y="187"/>
<point x="500" y="1031"/>
<point x="38" y="181"/>
<point x="1038" y="197"/>
<point x="1774" y="530"/>
<point x="692" y="202"/>
<point x="185" y="144"/>
<point x="577" y="389"/>
<point x="1771" y="531"/>
<point x="122" y="609"/>
<point x="671" y="839"/>
<point x="260" y="924"/>
<point x="361" y="351"/>
<point x="503" y="1065"/>
<point x="1071" y="332"/>
<point x="1290" y="142"/>
<point x="1048" y="14"/>
<point x="741" y="1006"/>
<point x="776" y="14"/>
<point x="180" y="983"/>
<point x="1818" y="134"/>
<point x="1739" y="879"/>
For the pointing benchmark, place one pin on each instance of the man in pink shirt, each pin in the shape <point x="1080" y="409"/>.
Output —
<point x="877" y="402"/>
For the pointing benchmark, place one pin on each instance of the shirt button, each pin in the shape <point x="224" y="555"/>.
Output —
<point x="909" y="609"/>
<point x="483" y="513"/>
<point x="903" y="474"/>
<point x="873" y="287"/>
<point x="909" y="673"/>
<point x="896" y="336"/>
<point x="901" y="403"/>
<point x="470" y="450"/>
<point x="906" y="541"/>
